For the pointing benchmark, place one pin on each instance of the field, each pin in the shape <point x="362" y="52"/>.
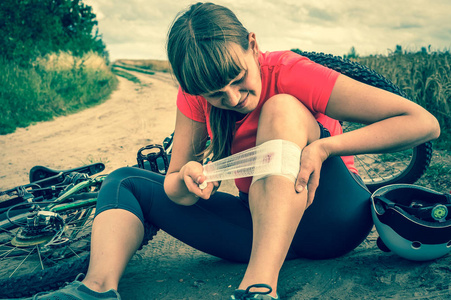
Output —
<point x="426" y="78"/>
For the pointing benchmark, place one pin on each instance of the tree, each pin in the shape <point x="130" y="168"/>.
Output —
<point x="351" y="54"/>
<point x="29" y="28"/>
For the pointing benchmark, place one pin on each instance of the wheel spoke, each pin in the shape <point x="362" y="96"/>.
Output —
<point x="67" y="244"/>
<point x="75" y="253"/>
<point x="21" y="263"/>
<point x="40" y="258"/>
<point x="378" y="170"/>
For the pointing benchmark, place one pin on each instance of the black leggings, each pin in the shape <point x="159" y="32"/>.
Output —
<point x="338" y="220"/>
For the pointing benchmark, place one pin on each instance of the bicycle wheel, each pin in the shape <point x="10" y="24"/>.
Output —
<point x="378" y="170"/>
<point x="405" y="166"/>
<point x="41" y="250"/>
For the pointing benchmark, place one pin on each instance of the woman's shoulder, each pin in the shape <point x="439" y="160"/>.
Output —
<point x="195" y="107"/>
<point x="281" y="58"/>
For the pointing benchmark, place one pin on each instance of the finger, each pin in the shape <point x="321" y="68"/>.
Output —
<point x="206" y="188"/>
<point x="208" y="191"/>
<point x="216" y="185"/>
<point x="303" y="179"/>
<point x="192" y="182"/>
<point x="203" y="185"/>
<point x="312" y="186"/>
<point x="192" y="185"/>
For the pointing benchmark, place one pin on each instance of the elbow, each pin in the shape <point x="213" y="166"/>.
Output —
<point x="435" y="129"/>
<point x="432" y="128"/>
<point x="185" y="200"/>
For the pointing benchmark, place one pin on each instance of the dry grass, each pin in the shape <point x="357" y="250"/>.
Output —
<point x="426" y="78"/>
<point x="147" y="64"/>
<point x="66" y="61"/>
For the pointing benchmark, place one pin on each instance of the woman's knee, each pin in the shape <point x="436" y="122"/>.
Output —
<point x="120" y="174"/>
<point x="132" y="189"/>
<point x="283" y="114"/>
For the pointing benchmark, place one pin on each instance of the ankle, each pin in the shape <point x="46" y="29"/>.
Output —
<point x="98" y="285"/>
<point x="264" y="289"/>
<point x="251" y="278"/>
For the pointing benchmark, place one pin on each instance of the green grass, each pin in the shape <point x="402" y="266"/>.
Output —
<point x="126" y="75"/>
<point x="42" y="91"/>
<point x="438" y="174"/>
<point x="145" y="64"/>
<point x="133" y="68"/>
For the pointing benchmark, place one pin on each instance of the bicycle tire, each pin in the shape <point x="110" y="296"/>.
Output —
<point x="45" y="280"/>
<point x="34" y="281"/>
<point x="421" y="155"/>
<point x="23" y="260"/>
<point x="45" y="237"/>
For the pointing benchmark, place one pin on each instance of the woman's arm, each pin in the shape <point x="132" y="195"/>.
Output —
<point x="185" y="169"/>
<point x="394" y="123"/>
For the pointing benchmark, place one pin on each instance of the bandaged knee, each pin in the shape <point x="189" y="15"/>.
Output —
<point x="284" y="159"/>
<point x="274" y="157"/>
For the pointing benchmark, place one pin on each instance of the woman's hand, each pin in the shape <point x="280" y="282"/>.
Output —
<point x="192" y="175"/>
<point x="312" y="158"/>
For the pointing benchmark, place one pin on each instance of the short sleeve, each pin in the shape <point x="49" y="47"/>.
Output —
<point x="306" y="80"/>
<point x="194" y="107"/>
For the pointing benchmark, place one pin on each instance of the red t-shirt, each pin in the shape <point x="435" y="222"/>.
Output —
<point x="282" y="72"/>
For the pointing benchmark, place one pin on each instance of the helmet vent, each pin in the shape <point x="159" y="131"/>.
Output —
<point x="416" y="245"/>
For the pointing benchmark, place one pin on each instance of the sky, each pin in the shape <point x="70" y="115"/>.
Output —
<point x="137" y="29"/>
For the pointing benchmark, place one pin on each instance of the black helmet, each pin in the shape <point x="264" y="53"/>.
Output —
<point x="412" y="221"/>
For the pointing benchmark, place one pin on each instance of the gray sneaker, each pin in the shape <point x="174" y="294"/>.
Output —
<point x="77" y="291"/>
<point x="248" y="295"/>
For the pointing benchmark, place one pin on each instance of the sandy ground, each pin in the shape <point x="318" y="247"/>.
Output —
<point x="137" y="115"/>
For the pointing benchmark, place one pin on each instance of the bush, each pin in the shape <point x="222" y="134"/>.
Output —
<point x="51" y="88"/>
<point x="33" y="28"/>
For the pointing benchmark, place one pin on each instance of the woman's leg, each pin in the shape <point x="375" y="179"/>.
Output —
<point x="275" y="205"/>
<point x="339" y="218"/>
<point x="129" y="197"/>
<point x="116" y="235"/>
<point x="221" y="226"/>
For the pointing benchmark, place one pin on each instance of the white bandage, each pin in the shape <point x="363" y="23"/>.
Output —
<point x="286" y="160"/>
<point x="275" y="157"/>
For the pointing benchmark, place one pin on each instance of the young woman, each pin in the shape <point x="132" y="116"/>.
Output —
<point x="241" y="98"/>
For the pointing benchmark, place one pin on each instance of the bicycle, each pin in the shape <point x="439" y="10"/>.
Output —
<point x="45" y="226"/>
<point x="47" y="223"/>
<point x="45" y="231"/>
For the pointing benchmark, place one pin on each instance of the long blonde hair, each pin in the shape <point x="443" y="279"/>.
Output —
<point x="203" y="61"/>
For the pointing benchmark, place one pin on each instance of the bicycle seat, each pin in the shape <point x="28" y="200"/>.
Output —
<point x="40" y="172"/>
